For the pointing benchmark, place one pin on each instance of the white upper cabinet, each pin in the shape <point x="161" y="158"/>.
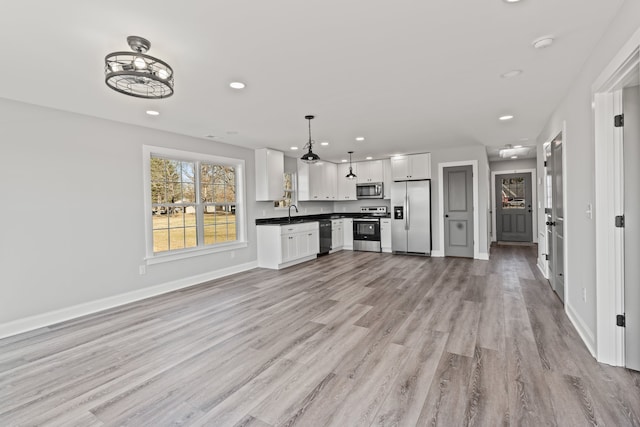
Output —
<point x="269" y="174"/>
<point x="386" y="171"/>
<point x="346" y="186"/>
<point x="330" y="181"/>
<point x="370" y="172"/>
<point x="317" y="181"/>
<point x="411" y="167"/>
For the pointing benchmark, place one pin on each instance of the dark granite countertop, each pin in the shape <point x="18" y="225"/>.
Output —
<point x="297" y="219"/>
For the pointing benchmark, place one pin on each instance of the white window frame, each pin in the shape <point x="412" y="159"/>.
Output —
<point x="241" y="215"/>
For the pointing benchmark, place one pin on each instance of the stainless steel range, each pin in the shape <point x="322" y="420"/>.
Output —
<point x="366" y="229"/>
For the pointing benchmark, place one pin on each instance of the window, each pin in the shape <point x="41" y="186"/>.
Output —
<point x="289" y="192"/>
<point x="193" y="202"/>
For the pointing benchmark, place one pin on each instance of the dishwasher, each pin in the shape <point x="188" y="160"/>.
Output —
<point x="325" y="236"/>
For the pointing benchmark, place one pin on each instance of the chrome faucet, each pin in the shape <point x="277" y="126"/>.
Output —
<point x="292" y="206"/>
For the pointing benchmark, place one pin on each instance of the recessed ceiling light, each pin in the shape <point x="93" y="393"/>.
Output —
<point x="507" y="117"/>
<point x="511" y="74"/>
<point x="511" y="1"/>
<point x="344" y="160"/>
<point x="369" y="157"/>
<point x="153" y="113"/>
<point x="325" y="143"/>
<point x="237" y="85"/>
<point x="294" y="148"/>
<point x="542" y="42"/>
<point x="514" y="157"/>
<point x="517" y="146"/>
<point x="360" y="138"/>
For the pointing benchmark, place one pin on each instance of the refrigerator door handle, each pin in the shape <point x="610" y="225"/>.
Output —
<point x="408" y="221"/>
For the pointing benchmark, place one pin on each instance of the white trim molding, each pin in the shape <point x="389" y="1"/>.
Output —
<point x="609" y="200"/>
<point x="46" y="319"/>
<point x="476" y="211"/>
<point x="583" y="330"/>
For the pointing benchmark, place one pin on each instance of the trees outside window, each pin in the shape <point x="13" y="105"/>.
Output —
<point x="193" y="201"/>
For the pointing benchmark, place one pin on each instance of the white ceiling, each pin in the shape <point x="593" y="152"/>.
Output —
<point x="408" y="75"/>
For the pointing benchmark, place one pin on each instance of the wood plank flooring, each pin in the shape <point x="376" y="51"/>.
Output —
<point x="350" y="339"/>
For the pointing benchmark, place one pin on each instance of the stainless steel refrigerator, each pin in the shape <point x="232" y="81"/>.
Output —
<point x="411" y="217"/>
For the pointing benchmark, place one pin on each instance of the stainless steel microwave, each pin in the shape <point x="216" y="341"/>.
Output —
<point x="369" y="190"/>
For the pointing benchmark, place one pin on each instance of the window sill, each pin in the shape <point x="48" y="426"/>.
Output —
<point x="191" y="253"/>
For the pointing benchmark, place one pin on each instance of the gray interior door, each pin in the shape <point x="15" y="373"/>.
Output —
<point x="631" y="138"/>
<point x="513" y="207"/>
<point x="557" y="217"/>
<point x="458" y="211"/>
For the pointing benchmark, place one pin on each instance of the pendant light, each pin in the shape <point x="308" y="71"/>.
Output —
<point x="310" y="156"/>
<point x="350" y="175"/>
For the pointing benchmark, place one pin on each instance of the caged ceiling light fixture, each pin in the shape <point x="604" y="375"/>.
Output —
<point x="350" y="175"/>
<point x="138" y="74"/>
<point x="310" y="156"/>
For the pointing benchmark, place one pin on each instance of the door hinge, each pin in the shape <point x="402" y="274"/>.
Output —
<point x="621" y="320"/>
<point x="620" y="221"/>
<point x="545" y="163"/>
<point x="546" y="257"/>
<point x="618" y="121"/>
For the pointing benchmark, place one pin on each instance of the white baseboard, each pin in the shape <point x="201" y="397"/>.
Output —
<point x="484" y="256"/>
<point x="585" y="333"/>
<point x="437" y="254"/>
<point x="41" y="320"/>
<point x="543" y="270"/>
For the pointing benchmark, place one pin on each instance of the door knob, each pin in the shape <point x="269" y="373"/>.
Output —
<point x="446" y="215"/>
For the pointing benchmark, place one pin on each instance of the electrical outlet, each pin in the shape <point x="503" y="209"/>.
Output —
<point x="142" y="269"/>
<point x="321" y="210"/>
<point x="584" y="294"/>
<point x="589" y="211"/>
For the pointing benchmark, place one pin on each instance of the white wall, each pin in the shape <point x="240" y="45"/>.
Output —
<point x="508" y="165"/>
<point x="576" y="110"/>
<point x="73" y="231"/>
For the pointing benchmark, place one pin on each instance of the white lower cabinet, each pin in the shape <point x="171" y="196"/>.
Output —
<point x="337" y="235"/>
<point x="385" y="234"/>
<point x="281" y="246"/>
<point x="347" y="228"/>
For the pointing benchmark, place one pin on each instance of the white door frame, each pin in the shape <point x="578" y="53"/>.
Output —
<point x="609" y="179"/>
<point x="534" y="202"/>
<point x="476" y="221"/>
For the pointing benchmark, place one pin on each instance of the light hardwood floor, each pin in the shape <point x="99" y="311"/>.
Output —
<point x="353" y="338"/>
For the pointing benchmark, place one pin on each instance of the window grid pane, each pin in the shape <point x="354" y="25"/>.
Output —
<point x="174" y="208"/>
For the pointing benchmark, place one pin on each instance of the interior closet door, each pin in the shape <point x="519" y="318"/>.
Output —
<point x="557" y="217"/>
<point x="458" y="211"/>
